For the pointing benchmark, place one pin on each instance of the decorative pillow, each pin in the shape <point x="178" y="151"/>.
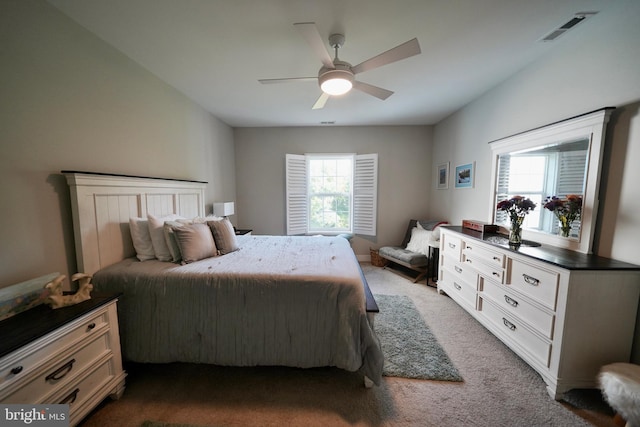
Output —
<point x="139" y="228"/>
<point x="156" y="230"/>
<point x="205" y="219"/>
<point x="224" y="235"/>
<point x="195" y="241"/>
<point x="170" y="237"/>
<point x="419" y="242"/>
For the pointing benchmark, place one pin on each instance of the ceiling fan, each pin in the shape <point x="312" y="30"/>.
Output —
<point x="337" y="77"/>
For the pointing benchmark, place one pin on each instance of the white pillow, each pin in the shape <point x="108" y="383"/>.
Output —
<point x="419" y="242"/>
<point x="139" y="228"/>
<point x="204" y="220"/>
<point x="156" y="230"/>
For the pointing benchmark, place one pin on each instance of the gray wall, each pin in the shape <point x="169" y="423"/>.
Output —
<point x="583" y="73"/>
<point x="69" y="101"/>
<point x="404" y="173"/>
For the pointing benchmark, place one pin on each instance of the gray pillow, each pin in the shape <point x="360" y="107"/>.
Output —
<point x="224" y="236"/>
<point x="195" y="241"/>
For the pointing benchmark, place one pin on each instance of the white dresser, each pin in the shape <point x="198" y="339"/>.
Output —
<point x="565" y="313"/>
<point x="69" y="356"/>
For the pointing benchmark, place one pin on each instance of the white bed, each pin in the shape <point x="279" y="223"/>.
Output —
<point x="278" y="300"/>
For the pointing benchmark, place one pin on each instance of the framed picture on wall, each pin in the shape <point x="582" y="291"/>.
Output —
<point x="464" y="175"/>
<point x="443" y="176"/>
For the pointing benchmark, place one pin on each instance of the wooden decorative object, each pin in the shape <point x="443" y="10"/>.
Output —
<point x="57" y="299"/>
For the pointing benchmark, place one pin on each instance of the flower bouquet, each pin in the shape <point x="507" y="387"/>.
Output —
<point x="566" y="210"/>
<point x="517" y="207"/>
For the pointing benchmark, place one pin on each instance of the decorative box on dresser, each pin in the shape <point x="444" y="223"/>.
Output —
<point x="70" y="355"/>
<point x="565" y="313"/>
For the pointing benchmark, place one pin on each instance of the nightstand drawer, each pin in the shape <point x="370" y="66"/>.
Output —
<point x="23" y="363"/>
<point x="83" y="389"/>
<point x="56" y="374"/>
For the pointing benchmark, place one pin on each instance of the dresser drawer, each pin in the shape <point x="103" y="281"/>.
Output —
<point x="493" y="272"/>
<point x="56" y="374"/>
<point x="539" y="319"/>
<point x="451" y="246"/>
<point x="486" y="255"/>
<point x="536" y="282"/>
<point x="21" y="364"/>
<point x="515" y="331"/>
<point x="461" y="291"/>
<point x="460" y="270"/>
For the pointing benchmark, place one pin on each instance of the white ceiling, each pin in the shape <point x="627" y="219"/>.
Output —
<point x="214" y="51"/>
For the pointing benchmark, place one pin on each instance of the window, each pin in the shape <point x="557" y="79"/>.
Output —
<point x="331" y="193"/>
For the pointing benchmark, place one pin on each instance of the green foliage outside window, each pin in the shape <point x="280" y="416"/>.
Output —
<point x="330" y="194"/>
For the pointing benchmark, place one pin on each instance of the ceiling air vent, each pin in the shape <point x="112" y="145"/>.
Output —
<point x="578" y="18"/>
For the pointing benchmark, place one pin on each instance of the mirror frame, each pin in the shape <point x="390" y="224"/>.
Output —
<point x="591" y="126"/>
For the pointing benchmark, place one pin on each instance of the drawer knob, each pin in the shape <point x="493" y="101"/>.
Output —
<point x="469" y="247"/>
<point x="496" y="258"/>
<point x="508" y="324"/>
<point x="455" y="285"/>
<point x="496" y="274"/>
<point x="510" y="301"/>
<point x="61" y="371"/>
<point x="16" y="370"/>
<point x="91" y="325"/>
<point x="458" y="269"/>
<point x="70" y="398"/>
<point x="530" y="280"/>
<point x="452" y="246"/>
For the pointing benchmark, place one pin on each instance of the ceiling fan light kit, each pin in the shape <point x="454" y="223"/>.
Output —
<point x="337" y="81"/>
<point x="337" y="77"/>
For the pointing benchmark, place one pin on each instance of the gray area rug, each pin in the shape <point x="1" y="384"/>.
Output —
<point x="410" y="349"/>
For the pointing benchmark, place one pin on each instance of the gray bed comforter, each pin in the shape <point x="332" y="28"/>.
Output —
<point x="287" y="301"/>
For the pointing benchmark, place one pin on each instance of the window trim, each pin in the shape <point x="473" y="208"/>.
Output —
<point x="364" y="189"/>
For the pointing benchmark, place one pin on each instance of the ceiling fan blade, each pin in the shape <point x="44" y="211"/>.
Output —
<point x="376" y="91"/>
<point x="288" y="80"/>
<point x="403" y="51"/>
<point x="321" y="101"/>
<point x="311" y="34"/>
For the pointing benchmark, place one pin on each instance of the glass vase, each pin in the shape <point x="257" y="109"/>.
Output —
<point x="565" y="230"/>
<point x="564" y="226"/>
<point x="515" y="234"/>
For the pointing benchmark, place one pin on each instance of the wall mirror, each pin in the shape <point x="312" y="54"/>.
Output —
<point x="561" y="159"/>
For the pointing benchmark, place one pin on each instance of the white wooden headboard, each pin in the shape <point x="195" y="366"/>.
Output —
<point x="102" y="204"/>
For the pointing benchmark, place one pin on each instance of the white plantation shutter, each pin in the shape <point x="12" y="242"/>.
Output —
<point x="296" y="183"/>
<point x="571" y="172"/>
<point x="365" y="194"/>
<point x="502" y="186"/>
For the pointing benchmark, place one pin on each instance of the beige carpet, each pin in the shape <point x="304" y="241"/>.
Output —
<point x="499" y="389"/>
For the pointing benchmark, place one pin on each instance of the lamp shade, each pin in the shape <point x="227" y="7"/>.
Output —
<point x="223" y="208"/>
